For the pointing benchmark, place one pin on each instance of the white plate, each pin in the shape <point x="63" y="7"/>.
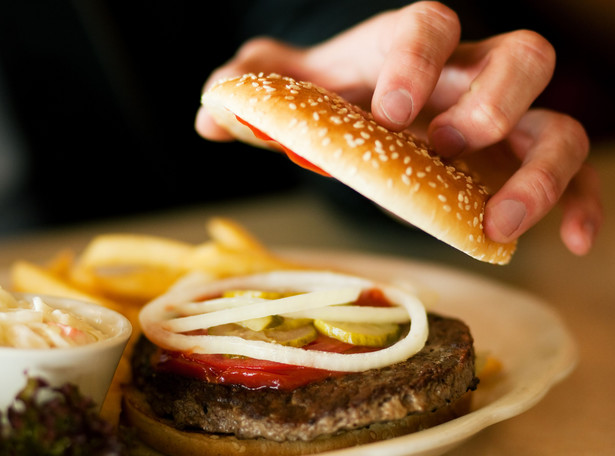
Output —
<point x="522" y="331"/>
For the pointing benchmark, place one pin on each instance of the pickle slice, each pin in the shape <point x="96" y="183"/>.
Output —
<point x="366" y="334"/>
<point x="294" y="333"/>
<point x="258" y="324"/>
<point x="233" y="329"/>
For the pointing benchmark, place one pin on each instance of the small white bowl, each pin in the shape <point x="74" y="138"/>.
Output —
<point x="91" y="367"/>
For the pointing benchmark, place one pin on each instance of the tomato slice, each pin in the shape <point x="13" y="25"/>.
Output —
<point x="252" y="373"/>
<point x="298" y="160"/>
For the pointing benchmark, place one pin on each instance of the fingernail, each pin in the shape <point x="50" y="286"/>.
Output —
<point x="397" y="106"/>
<point x="589" y="229"/>
<point x="507" y="216"/>
<point x="588" y="234"/>
<point x="448" y="141"/>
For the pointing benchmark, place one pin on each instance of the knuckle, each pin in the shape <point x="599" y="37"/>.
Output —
<point x="545" y="185"/>
<point x="491" y="120"/>
<point x="576" y="137"/>
<point x="436" y="10"/>
<point x="258" y="46"/>
<point x="422" y="36"/>
<point x="439" y="17"/>
<point x="533" y="48"/>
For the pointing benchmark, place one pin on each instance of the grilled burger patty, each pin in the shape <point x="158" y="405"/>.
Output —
<point x="435" y="377"/>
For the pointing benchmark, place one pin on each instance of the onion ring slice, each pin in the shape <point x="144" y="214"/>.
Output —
<point x="155" y="315"/>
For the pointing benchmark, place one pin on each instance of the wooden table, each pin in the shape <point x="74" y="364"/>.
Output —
<point x="577" y="417"/>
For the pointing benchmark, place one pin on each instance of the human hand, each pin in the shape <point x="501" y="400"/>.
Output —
<point x="410" y="67"/>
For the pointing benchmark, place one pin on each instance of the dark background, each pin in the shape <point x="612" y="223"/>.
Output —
<point x="98" y="98"/>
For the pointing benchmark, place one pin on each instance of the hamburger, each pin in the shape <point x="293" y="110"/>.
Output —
<point x="292" y="362"/>
<point x="315" y="380"/>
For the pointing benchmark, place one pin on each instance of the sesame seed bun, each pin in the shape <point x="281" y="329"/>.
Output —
<point x="393" y="169"/>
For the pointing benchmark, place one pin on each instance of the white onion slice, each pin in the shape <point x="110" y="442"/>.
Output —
<point x="211" y="305"/>
<point x="349" y="314"/>
<point x="355" y="314"/>
<point x="257" y="308"/>
<point x="155" y="315"/>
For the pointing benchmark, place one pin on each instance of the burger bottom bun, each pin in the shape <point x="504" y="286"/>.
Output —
<point x="160" y="435"/>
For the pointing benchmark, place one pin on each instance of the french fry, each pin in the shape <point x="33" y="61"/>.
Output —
<point x="30" y="278"/>
<point x="61" y="263"/>
<point x="230" y="234"/>
<point x="137" y="285"/>
<point x="221" y="261"/>
<point x="129" y="266"/>
<point x="124" y="271"/>
<point x="135" y="250"/>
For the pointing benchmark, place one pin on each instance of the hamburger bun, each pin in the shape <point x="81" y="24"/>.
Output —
<point x="393" y="169"/>
<point x="160" y="436"/>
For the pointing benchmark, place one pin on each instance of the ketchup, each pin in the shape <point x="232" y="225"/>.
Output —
<point x="252" y="373"/>
<point x="298" y="160"/>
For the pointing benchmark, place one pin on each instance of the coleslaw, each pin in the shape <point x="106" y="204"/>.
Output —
<point x="33" y="324"/>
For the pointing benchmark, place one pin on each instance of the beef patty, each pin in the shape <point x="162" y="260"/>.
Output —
<point x="435" y="377"/>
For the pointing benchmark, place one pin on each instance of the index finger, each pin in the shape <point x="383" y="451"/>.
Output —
<point x="417" y="44"/>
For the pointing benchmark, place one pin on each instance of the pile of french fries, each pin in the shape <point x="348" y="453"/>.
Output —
<point x="125" y="271"/>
